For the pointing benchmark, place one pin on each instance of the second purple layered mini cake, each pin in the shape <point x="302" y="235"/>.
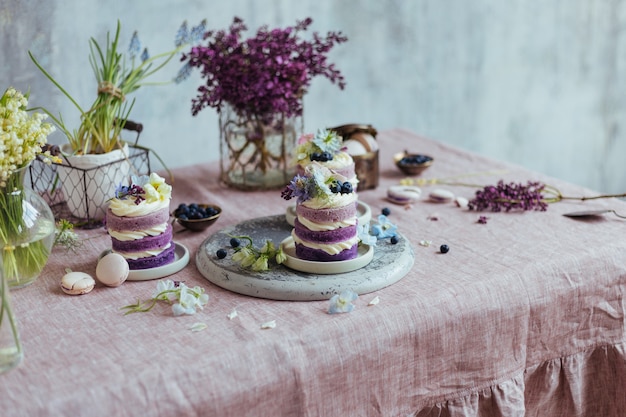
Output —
<point x="325" y="228"/>
<point x="138" y="222"/>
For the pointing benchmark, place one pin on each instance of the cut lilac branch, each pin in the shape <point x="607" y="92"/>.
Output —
<point x="517" y="196"/>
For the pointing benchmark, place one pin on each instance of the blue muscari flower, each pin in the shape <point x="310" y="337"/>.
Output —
<point x="182" y="36"/>
<point x="135" y="46"/>
<point x="145" y="55"/>
<point x="342" y="303"/>
<point x="197" y="32"/>
<point x="183" y="73"/>
<point x="384" y="228"/>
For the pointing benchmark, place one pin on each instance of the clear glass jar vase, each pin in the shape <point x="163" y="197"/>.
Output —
<point x="10" y="347"/>
<point x="26" y="231"/>
<point x="256" y="154"/>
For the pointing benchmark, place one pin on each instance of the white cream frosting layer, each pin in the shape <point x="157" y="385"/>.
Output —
<point x="320" y="227"/>
<point x="144" y="254"/>
<point x="331" y="249"/>
<point x="128" y="208"/>
<point x="137" y="234"/>
<point x="331" y="201"/>
<point x="340" y="160"/>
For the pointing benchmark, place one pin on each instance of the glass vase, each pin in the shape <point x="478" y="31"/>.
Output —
<point x="10" y="348"/>
<point x="256" y="154"/>
<point x="26" y="231"/>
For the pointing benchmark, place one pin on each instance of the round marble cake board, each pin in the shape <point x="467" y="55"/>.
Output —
<point x="389" y="264"/>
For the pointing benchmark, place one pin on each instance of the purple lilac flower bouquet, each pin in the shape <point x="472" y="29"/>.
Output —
<point x="257" y="85"/>
<point x="262" y="76"/>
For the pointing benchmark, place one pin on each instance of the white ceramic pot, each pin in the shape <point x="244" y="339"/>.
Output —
<point x="90" y="181"/>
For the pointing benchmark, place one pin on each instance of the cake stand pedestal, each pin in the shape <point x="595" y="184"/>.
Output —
<point x="389" y="264"/>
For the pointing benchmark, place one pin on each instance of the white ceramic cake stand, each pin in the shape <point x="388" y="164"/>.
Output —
<point x="388" y="265"/>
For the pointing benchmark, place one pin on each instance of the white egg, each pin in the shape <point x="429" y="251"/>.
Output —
<point x="112" y="270"/>
<point x="354" y="147"/>
<point x="76" y="283"/>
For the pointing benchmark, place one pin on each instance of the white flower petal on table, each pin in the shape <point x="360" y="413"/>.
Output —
<point x="269" y="324"/>
<point x="426" y="243"/>
<point x="232" y="314"/>
<point x="197" y="327"/>
<point x="374" y="301"/>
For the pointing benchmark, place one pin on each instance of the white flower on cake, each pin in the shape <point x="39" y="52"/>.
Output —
<point x="145" y="194"/>
<point x="323" y="146"/>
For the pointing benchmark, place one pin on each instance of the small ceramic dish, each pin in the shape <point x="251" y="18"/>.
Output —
<point x="200" y="224"/>
<point x="412" y="163"/>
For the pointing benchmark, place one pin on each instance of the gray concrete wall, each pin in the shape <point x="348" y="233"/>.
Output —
<point x="535" y="82"/>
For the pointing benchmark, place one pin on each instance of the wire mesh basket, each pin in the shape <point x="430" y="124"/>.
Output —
<point x="80" y="195"/>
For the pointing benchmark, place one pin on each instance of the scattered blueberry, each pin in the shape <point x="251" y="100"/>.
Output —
<point x="444" y="248"/>
<point x="234" y="242"/>
<point x="394" y="240"/>
<point x="221" y="253"/>
<point x="386" y="211"/>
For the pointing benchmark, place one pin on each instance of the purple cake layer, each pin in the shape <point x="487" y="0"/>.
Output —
<point x="319" y="255"/>
<point x="147" y="243"/>
<point x="122" y="223"/>
<point x="163" y="258"/>
<point x="328" y="215"/>
<point x="327" y="236"/>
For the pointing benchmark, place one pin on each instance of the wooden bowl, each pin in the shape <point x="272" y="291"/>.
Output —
<point x="199" y="224"/>
<point x="412" y="163"/>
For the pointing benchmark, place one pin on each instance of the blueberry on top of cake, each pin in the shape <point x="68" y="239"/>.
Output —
<point x="325" y="228"/>
<point x="138" y="222"/>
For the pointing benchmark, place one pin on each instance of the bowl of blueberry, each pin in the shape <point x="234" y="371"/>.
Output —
<point x="412" y="163"/>
<point x="196" y="216"/>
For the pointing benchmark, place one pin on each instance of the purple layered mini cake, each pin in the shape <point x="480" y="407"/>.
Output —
<point x="138" y="222"/>
<point x="325" y="148"/>
<point x="325" y="227"/>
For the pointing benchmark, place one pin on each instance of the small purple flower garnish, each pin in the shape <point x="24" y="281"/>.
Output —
<point x="482" y="219"/>
<point x="300" y="187"/>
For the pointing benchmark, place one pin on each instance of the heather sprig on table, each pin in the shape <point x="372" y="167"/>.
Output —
<point x="262" y="76"/>
<point x="533" y="195"/>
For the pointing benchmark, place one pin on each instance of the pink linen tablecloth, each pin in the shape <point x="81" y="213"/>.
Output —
<point x="523" y="317"/>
